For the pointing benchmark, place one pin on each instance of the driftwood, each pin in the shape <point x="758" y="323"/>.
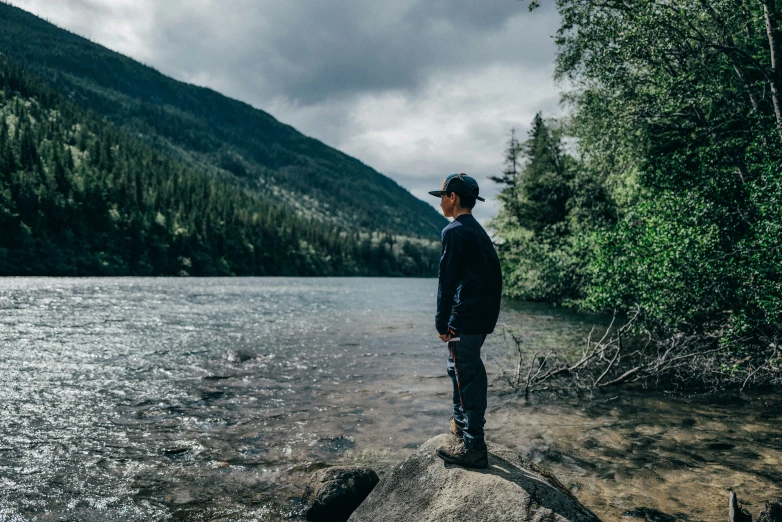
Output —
<point x="621" y="355"/>
<point x="596" y="367"/>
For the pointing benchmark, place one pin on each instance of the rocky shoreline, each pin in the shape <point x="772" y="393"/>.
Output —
<point x="424" y="488"/>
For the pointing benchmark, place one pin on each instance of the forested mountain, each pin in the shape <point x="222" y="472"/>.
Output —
<point x="78" y="196"/>
<point x="214" y="133"/>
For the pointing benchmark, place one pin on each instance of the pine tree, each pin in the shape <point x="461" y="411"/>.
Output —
<point x="28" y="151"/>
<point x="542" y="187"/>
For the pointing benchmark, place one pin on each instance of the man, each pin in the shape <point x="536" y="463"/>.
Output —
<point x="468" y="304"/>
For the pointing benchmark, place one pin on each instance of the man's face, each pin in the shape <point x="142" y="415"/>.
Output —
<point x="447" y="204"/>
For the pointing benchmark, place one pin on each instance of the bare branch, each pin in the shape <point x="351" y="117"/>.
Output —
<point x="610" y="365"/>
<point x="623" y="377"/>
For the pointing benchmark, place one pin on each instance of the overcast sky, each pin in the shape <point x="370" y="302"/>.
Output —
<point x="416" y="89"/>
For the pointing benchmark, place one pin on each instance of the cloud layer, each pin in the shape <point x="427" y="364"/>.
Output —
<point x="415" y="88"/>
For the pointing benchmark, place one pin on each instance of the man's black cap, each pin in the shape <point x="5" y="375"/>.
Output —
<point x="460" y="183"/>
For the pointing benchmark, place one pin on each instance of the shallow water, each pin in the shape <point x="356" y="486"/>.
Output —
<point x="195" y="399"/>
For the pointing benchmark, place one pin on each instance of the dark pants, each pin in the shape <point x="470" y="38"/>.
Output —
<point x="469" y="387"/>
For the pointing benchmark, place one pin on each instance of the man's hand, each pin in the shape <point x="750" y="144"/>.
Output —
<point x="447" y="336"/>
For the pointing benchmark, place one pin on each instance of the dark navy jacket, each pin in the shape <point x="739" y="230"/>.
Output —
<point x="468" y="297"/>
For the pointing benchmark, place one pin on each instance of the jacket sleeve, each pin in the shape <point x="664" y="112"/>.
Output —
<point x="450" y="275"/>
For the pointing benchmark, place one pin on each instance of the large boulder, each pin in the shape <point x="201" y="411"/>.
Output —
<point x="333" y="493"/>
<point x="423" y="488"/>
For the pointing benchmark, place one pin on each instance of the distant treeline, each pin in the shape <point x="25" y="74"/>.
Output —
<point x="78" y="196"/>
<point x="661" y="193"/>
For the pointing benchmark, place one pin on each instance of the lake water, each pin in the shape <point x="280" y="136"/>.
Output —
<point x="202" y="399"/>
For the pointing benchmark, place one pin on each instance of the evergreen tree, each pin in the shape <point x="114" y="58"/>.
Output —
<point x="532" y="225"/>
<point x="28" y="151"/>
<point x="543" y="189"/>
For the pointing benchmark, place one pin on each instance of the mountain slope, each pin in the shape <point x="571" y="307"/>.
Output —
<point x="216" y="133"/>
<point x="78" y="196"/>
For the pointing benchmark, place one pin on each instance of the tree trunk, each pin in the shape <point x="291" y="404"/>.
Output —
<point x="729" y="53"/>
<point x="770" y="14"/>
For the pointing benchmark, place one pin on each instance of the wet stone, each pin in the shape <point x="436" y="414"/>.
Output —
<point x="337" y="444"/>
<point x="590" y="444"/>
<point x="175" y="451"/>
<point x="720" y="446"/>
<point x="772" y="512"/>
<point x="241" y="356"/>
<point x="332" y="494"/>
<point x="647" y="515"/>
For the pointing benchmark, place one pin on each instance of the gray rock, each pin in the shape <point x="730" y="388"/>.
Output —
<point x="423" y="488"/>
<point x="771" y="513"/>
<point x="333" y="493"/>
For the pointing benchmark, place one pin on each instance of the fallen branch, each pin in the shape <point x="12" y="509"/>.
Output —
<point x="683" y="360"/>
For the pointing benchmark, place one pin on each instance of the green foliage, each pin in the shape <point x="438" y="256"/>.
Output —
<point x="219" y="135"/>
<point x="697" y="244"/>
<point x="677" y="115"/>
<point x="78" y="196"/>
<point x="550" y="207"/>
<point x="543" y="188"/>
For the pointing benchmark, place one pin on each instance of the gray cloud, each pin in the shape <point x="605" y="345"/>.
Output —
<point x="415" y="88"/>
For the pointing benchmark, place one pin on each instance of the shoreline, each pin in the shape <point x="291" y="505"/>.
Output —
<point x="690" y="478"/>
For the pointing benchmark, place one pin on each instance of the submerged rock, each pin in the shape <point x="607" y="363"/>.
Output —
<point x="332" y="494"/>
<point x="736" y="512"/>
<point x="425" y="489"/>
<point x="648" y="515"/>
<point x="772" y="512"/>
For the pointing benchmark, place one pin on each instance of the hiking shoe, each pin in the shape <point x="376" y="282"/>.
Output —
<point x="456" y="430"/>
<point x="459" y="454"/>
